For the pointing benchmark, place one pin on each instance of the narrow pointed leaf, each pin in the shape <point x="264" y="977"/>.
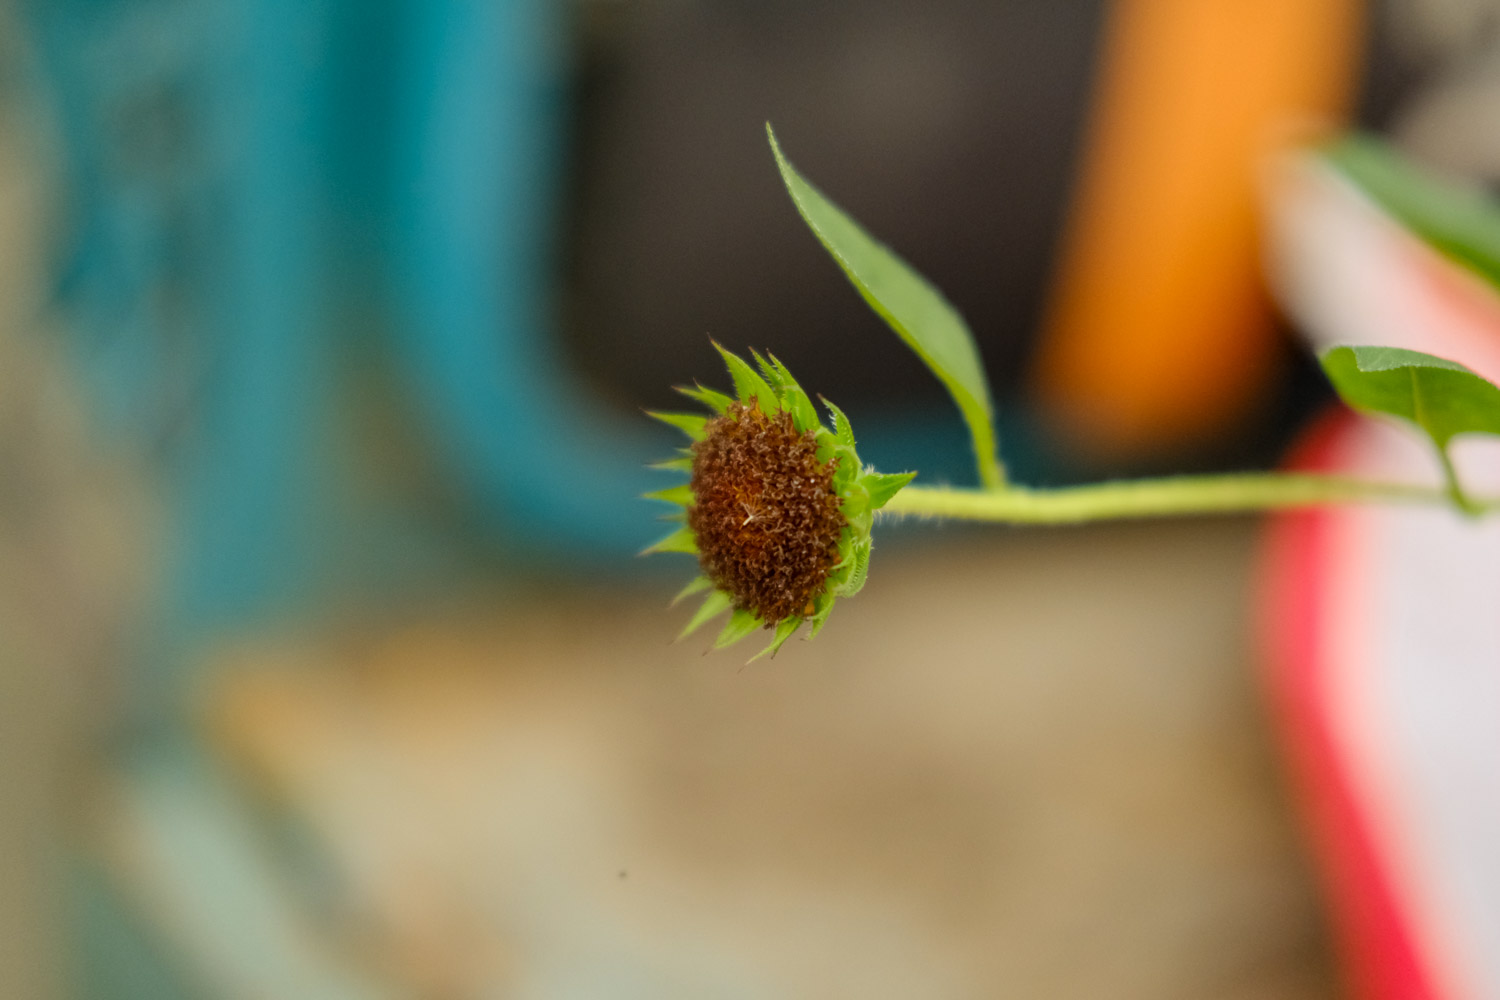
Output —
<point x="1461" y="222"/>
<point x="683" y="464"/>
<point x="1442" y="397"/>
<point x="691" y="424"/>
<point x="682" y="495"/>
<point x="713" y="605"/>
<point x="747" y="383"/>
<point x="883" y="486"/>
<point x="696" y="585"/>
<point x="740" y="624"/>
<point x="716" y="401"/>
<point x="680" y="540"/>
<point x="910" y="305"/>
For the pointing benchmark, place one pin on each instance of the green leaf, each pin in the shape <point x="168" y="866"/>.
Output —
<point x="914" y="309"/>
<point x="1461" y="222"/>
<point x="883" y="486"/>
<point x="747" y="383"/>
<point x="691" y="424"/>
<point x="683" y="464"/>
<point x="740" y="624"/>
<point x="713" y="605"/>
<point x="680" y="540"/>
<point x="1442" y="397"/>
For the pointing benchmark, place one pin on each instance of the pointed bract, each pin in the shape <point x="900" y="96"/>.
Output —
<point x="716" y="401"/>
<point x="691" y="424"/>
<point x="740" y="624"/>
<point x="841" y="427"/>
<point x="748" y="385"/>
<point x="713" y="605"/>
<point x="697" y="585"/>
<point x="680" y="540"/>
<point x="681" y="495"/>
<point x="883" y="486"/>
<point x="683" y="464"/>
<point x="784" y="630"/>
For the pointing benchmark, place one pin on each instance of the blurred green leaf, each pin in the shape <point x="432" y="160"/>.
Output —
<point x="1461" y="222"/>
<point x="914" y="309"/>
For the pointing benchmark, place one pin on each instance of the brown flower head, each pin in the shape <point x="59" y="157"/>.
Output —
<point x="779" y="509"/>
<point x="765" y="514"/>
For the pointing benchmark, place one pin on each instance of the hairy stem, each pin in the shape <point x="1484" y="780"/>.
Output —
<point x="1220" y="494"/>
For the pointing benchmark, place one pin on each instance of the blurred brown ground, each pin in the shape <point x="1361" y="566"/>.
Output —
<point x="1031" y="764"/>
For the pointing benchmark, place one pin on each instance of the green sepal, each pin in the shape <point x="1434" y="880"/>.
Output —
<point x="691" y="424"/>
<point x="696" y="585"/>
<point x="793" y="399"/>
<point x="682" y="464"/>
<point x="843" y="431"/>
<point x="747" y="383"/>
<point x="680" y="540"/>
<point x="681" y="494"/>
<point x="711" y="398"/>
<point x="784" y="630"/>
<point x="823" y="609"/>
<point x="713" y="605"/>
<point x="883" y="486"/>
<point x="846" y="471"/>
<point x="856" y="500"/>
<point x="740" y="624"/>
<point x="769" y="372"/>
<point x="859" y="572"/>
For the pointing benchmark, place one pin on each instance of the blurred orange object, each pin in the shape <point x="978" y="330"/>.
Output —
<point x="1160" y="334"/>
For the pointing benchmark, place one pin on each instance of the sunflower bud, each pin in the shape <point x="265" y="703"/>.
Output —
<point x="778" y="509"/>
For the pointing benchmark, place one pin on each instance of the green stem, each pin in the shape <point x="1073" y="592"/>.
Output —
<point x="987" y="456"/>
<point x="1455" y="490"/>
<point x="1221" y="494"/>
